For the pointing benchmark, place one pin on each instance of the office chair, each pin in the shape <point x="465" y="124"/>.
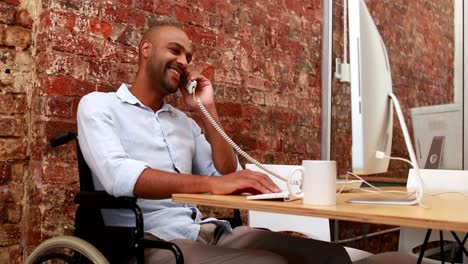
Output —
<point x="94" y="242"/>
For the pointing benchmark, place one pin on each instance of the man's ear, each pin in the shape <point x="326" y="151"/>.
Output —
<point x="145" y="48"/>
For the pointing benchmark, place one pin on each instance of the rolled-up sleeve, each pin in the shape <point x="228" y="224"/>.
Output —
<point x="102" y="149"/>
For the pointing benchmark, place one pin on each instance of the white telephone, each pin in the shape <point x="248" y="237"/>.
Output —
<point x="190" y="87"/>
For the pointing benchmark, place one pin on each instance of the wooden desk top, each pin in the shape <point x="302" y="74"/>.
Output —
<point x="447" y="211"/>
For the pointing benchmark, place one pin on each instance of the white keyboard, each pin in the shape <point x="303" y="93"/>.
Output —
<point x="348" y="185"/>
<point x="269" y="196"/>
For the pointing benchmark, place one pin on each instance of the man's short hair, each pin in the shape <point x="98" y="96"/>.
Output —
<point x="157" y="22"/>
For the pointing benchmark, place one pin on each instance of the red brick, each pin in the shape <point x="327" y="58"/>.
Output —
<point x="162" y="7"/>
<point x="89" y="8"/>
<point x="11" y="192"/>
<point x="13" y="103"/>
<point x="121" y="53"/>
<point x="10" y="213"/>
<point x="182" y="13"/>
<point x="7" y="13"/>
<point x="53" y="20"/>
<point x="121" y="73"/>
<point x="71" y="43"/>
<point x="9" y="235"/>
<point x="147" y="5"/>
<point x="228" y="77"/>
<point x="15" y="36"/>
<point x="23" y="18"/>
<point x="66" y="86"/>
<point x="123" y="14"/>
<point x="54" y="128"/>
<point x="200" y="36"/>
<point x="12" y="254"/>
<point x="5" y="172"/>
<point x="60" y="194"/>
<point x="33" y="235"/>
<point x="229" y="109"/>
<point x="59" y="172"/>
<point x="55" y="218"/>
<point x="7" y="126"/>
<point x="13" y="148"/>
<point x="61" y="63"/>
<point x="59" y="106"/>
<point x="100" y="28"/>
<point x="12" y="2"/>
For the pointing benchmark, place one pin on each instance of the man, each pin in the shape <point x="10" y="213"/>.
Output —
<point x="137" y="145"/>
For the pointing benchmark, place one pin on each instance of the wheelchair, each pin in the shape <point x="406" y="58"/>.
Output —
<point x="92" y="240"/>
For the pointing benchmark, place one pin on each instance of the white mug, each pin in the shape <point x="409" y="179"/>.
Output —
<point x="318" y="185"/>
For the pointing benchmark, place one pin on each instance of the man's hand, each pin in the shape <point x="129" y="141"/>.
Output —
<point x="204" y="91"/>
<point x="243" y="181"/>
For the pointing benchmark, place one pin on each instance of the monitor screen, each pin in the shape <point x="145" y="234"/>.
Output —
<point x="371" y="83"/>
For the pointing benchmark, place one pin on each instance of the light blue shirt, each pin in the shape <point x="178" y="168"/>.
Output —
<point x="120" y="137"/>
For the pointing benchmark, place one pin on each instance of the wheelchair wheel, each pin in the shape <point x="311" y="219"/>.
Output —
<point x="66" y="249"/>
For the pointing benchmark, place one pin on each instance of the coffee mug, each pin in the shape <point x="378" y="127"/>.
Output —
<point x="318" y="185"/>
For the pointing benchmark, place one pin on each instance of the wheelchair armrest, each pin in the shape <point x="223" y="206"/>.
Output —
<point x="103" y="200"/>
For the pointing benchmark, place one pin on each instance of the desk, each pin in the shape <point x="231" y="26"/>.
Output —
<point x="446" y="212"/>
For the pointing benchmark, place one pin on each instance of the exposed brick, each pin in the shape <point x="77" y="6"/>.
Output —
<point x="15" y="36"/>
<point x="23" y="18"/>
<point x="53" y="20"/>
<point x="59" y="106"/>
<point x="7" y="13"/>
<point x="162" y="7"/>
<point x="13" y="103"/>
<point x="9" y="235"/>
<point x="147" y="5"/>
<point x="200" y="36"/>
<point x="11" y="255"/>
<point x="33" y="235"/>
<point x="13" y="148"/>
<point x="12" y="2"/>
<point x="72" y="43"/>
<point x="101" y="28"/>
<point x="123" y="14"/>
<point x="182" y="13"/>
<point x="54" y="128"/>
<point x="229" y="109"/>
<point x="56" y="218"/>
<point x="121" y="53"/>
<point x="87" y="7"/>
<point x="59" y="172"/>
<point x="61" y="63"/>
<point x="61" y="194"/>
<point x="66" y="86"/>
<point x="5" y="172"/>
<point x="10" y="213"/>
<point x="11" y="192"/>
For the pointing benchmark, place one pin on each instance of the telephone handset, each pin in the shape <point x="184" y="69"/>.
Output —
<point x="190" y="87"/>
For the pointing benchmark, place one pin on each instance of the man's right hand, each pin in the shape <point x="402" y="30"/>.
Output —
<point x="243" y="181"/>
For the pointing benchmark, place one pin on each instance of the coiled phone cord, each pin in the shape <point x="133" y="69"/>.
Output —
<point x="235" y="146"/>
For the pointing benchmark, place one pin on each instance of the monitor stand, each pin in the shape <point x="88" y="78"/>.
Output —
<point x="409" y="147"/>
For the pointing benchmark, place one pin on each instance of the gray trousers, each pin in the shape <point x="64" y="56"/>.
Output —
<point x="250" y="245"/>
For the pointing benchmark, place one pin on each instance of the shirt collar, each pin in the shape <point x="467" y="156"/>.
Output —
<point x="124" y="94"/>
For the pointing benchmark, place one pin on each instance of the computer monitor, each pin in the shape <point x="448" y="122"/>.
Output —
<point x="371" y="84"/>
<point x="372" y="104"/>
<point x="438" y="138"/>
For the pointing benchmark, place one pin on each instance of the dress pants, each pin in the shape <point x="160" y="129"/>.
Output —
<point x="249" y="245"/>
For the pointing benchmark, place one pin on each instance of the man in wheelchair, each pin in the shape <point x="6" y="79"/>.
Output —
<point x="138" y="145"/>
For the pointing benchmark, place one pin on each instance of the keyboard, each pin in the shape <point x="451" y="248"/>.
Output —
<point x="348" y="185"/>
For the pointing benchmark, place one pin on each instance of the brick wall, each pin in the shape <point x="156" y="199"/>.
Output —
<point x="263" y="57"/>
<point x="16" y="88"/>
